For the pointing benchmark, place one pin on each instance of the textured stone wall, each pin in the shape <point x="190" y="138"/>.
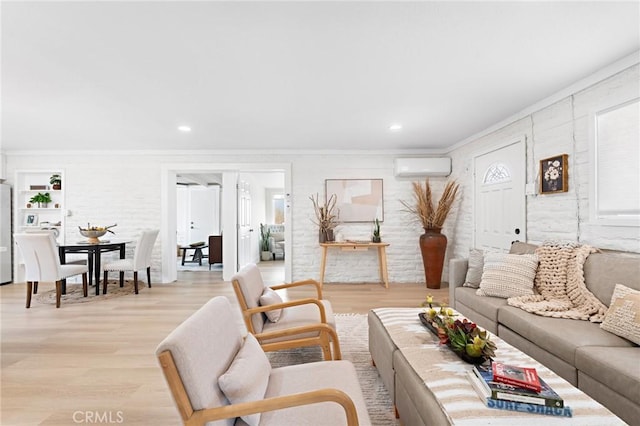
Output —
<point x="126" y="188"/>
<point x="561" y="128"/>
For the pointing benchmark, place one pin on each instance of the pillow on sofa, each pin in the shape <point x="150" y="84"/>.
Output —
<point x="508" y="275"/>
<point x="247" y="377"/>
<point x="270" y="297"/>
<point x="623" y="316"/>
<point x="474" y="270"/>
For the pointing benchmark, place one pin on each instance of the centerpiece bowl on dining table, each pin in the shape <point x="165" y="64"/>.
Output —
<point x="92" y="236"/>
<point x="93" y="233"/>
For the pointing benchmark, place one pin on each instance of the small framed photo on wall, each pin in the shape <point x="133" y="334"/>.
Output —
<point x="31" y="220"/>
<point x="554" y="174"/>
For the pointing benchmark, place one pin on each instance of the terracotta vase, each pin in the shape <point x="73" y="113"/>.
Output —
<point x="433" y="246"/>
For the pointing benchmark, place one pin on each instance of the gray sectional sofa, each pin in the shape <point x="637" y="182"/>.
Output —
<point x="601" y="364"/>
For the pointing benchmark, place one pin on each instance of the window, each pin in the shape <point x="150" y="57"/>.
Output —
<point x="497" y="173"/>
<point x="278" y="209"/>
<point x="615" y="165"/>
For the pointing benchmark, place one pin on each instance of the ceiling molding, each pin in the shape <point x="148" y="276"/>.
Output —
<point x="606" y="72"/>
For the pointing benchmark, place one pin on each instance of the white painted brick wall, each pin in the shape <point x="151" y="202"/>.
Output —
<point x="561" y="128"/>
<point x="114" y="187"/>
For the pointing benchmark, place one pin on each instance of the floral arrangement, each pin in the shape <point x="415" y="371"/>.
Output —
<point x="423" y="208"/>
<point x="464" y="337"/>
<point x="552" y="174"/>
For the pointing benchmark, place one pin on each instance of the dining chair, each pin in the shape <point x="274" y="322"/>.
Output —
<point x="42" y="263"/>
<point x="141" y="260"/>
<point x="307" y="322"/>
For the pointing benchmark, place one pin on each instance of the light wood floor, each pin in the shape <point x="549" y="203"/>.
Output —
<point x="94" y="363"/>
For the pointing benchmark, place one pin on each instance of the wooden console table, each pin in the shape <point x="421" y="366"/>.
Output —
<point x="357" y="246"/>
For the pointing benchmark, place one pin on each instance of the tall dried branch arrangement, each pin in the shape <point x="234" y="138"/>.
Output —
<point x="326" y="218"/>
<point x="423" y="208"/>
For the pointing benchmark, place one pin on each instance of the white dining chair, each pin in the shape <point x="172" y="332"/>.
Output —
<point x="141" y="260"/>
<point x="42" y="264"/>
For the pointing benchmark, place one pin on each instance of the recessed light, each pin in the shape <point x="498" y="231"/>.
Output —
<point x="395" y="127"/>
<point x="184" y="128"/>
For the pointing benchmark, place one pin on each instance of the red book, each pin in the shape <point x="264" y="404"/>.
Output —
<point x="517" y="376"/>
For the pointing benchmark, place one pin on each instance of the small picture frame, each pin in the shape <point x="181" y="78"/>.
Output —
<point x="554" y="174"/>
<point x="31" y="220"/>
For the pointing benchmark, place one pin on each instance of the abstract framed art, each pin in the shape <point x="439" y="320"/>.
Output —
<point x="358" y="200"/>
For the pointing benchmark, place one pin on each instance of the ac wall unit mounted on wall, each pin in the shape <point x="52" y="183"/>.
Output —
<point x="426" y="166"/>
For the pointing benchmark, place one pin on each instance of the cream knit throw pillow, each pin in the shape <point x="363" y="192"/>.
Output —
<point x="508" y="275"/>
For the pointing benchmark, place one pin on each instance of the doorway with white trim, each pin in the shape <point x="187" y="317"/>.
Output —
<point x="228" y="215"/>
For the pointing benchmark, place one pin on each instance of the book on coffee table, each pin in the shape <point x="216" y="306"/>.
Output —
<point x="521" y="407"/>
<point x="514" y="375"/>
<point x="502" y="391"/>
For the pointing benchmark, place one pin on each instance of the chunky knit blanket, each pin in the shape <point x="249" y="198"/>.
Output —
<point x="560" y="285"/>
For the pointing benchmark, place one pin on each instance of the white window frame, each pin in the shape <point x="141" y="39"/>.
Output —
<point x="595" y="217"/>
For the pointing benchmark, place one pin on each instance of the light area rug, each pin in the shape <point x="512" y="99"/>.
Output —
<point x="74" y="292"/>
<point x="353" y="333"/>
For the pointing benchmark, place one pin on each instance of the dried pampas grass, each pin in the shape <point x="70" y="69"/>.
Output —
<point x="423" y="208"/>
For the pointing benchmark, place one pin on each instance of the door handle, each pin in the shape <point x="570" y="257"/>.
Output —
<point x="517" y="231"/>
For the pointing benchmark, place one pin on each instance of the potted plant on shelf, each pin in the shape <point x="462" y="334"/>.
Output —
<point x="433" y="244"/>
<point x="41" y="199"/>
<point x="265" y="234"/>
<point x="326" y="219"/>
<point x="56" y="181"/>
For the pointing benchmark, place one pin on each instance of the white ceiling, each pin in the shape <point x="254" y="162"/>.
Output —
<point x="291" y="75"/>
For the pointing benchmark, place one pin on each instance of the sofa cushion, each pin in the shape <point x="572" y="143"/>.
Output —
<point x="603" y="270"/>
<point x="247" y="377"/>
<point x="508" y="275"/>
<point x="487" y="306"/>
<point x="623" y="316"/>
<point x="617" y="368"/>
<point x="271" y="297"/>
<point x="558" y="336"/>
<point x="474" y="271"/>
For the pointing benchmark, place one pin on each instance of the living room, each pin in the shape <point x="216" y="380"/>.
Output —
<point x="121" y="167"/>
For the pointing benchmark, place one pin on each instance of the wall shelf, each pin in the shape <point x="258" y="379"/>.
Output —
<point x="34" y="219"/>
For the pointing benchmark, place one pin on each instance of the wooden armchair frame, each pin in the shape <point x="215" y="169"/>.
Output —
<point x="326" y="333"/>
<point x="200" y="417"/>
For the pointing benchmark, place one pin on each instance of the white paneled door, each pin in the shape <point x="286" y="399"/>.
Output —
<point x="500" y="200"/>
<point x="244" y="224"/>
<point x="197" y="213"/>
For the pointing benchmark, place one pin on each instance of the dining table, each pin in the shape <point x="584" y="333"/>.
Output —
<point x="94" y="253"/>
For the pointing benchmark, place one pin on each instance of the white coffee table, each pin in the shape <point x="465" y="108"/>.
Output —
<point x="430" y="387"/>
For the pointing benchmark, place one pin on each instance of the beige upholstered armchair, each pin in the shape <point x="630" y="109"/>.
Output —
<point x="282" y="325"/>
<point x="217" y="376"/>
<point x="276" y="240"/>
